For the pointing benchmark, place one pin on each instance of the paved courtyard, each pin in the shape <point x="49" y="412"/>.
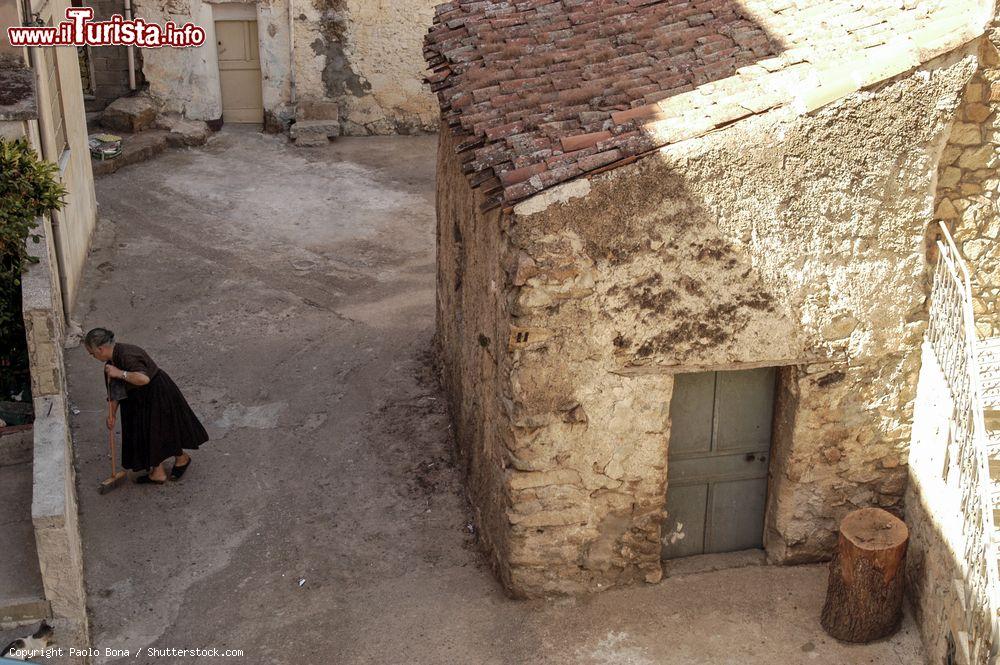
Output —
<point x="290" y="293"/>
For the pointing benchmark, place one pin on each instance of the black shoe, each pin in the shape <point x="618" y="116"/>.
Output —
<point x="178" y="471"/>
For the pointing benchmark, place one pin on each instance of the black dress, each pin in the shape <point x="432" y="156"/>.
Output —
<point x="157" y="422"/>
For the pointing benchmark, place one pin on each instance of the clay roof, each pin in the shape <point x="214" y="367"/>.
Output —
<point x="543" y="91"/>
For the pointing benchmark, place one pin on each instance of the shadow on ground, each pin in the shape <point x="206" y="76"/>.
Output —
<point x="290" y="293"/>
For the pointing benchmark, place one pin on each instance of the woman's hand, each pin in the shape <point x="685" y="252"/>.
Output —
<point x="113" y="372"/>
<point x="111" y="421"/>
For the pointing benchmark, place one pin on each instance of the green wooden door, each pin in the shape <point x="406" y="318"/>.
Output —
<point x="720" y="440"/>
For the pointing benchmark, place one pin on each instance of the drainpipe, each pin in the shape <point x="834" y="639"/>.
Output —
<point x="27" y="19"/>
<point x="131" y="49"/>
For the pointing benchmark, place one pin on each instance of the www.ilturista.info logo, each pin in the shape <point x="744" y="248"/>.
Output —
<point x="79" y="30"/>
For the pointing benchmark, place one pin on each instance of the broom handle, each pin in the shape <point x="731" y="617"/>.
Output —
<point x="111" y="444"/>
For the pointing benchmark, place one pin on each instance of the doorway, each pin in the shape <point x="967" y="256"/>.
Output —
<point x="239" y="70"/>
<point x="720" y="440"/>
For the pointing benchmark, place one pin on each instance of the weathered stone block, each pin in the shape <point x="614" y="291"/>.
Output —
<point x="946" y="210"/>
<point x="979" y="158"/>
<point x="966" y="133"/>
<point x="950" y="177"/>
<point x="950" y="154"/>
<point x="317" y="110"/>
<point x="183" y="132"/>
<point x="129" y="114"/>
<point x="314" y="132"/>
<point x="977" y="112"/>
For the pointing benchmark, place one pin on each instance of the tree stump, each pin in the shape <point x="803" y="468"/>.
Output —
<point x="864" y="597"/>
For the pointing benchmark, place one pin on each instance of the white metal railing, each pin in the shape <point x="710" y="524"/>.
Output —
<point x="952" y="334"/>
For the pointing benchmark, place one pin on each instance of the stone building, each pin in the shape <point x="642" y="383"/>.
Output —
<point x="105" y="69"/>
<point x="348" y="66"/>
<point x="684" y="253"/>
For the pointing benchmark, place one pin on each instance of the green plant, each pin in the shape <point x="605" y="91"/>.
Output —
<point x="29" y="188"/>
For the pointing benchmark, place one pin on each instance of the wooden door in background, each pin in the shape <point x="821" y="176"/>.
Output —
<point x="239" y="71"/>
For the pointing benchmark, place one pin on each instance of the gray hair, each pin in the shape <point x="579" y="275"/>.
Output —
<point x="98" y="337"/>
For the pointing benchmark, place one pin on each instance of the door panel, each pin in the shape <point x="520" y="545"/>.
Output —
<point x="231" y="41"/>
<point x="719" y="451"/>
<point x="239" y="71"/>
<point x="691" y="416"/>
<point x="736" y="515"/>
<point x="684" y="530"/>
<point x="744" y="408"/>
<point x="715" y="468"/>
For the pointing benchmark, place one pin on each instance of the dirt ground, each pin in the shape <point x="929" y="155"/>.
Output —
<point x="290" y="293"/>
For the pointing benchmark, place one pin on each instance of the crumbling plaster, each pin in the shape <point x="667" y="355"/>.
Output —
<point x="795" y="242"/>
<point x="186" y="81"/>
<point x="366" y="56"/>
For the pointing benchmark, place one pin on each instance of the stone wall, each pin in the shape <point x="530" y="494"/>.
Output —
<point x="969" y="187"/>
<point x="364" y="56"/>
<point x="935" y="573"/>
<point x="471" y="317"/>
<point x="110" y="63"/>
<point x="54" y="510"/>
<point x="840" y="443"/>
<point x="793" y="242"/>
<point x="367" y="56"/>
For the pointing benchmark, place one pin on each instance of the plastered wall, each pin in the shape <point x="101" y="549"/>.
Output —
<point x="368" y="55"/>
<point x="364" y="55"/>
<point x="73" y="226"/>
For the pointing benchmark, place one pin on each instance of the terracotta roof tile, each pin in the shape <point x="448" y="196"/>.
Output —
<point x="542" y="91"/>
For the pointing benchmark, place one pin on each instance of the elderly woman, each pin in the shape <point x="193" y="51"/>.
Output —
<point x="157" y="422"/>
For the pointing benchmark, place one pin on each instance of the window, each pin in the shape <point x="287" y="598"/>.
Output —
<point x="50" y="79"/>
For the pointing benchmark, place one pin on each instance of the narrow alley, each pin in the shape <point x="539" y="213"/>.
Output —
<point x="290" y="293"/>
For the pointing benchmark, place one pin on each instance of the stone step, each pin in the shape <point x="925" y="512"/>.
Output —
<point x="22" y="596"/>
<point x="183" y="132"/>
<point x="16" y="444"/>
<point x="131" y="114"/>
<point x="23" y="611"/>
<point x="135" y="148"/>
<point x="314" y="132"/>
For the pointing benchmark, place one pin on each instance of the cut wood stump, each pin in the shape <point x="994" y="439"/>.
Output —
<point x="864" y="597"/>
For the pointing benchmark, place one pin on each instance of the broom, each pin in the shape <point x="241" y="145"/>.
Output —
<point x="116" y="477"/>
